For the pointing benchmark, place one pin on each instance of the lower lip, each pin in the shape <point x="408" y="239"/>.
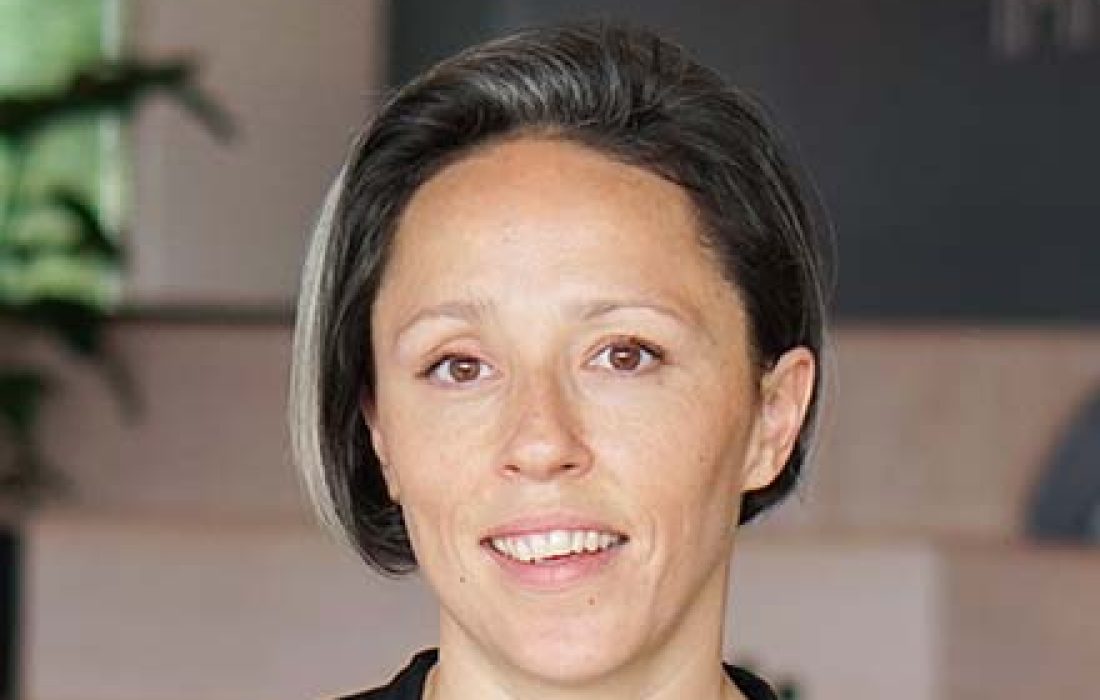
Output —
<point x="558" y="573"/>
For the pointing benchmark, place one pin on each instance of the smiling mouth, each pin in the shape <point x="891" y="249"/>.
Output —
<point x="554" y="545"/>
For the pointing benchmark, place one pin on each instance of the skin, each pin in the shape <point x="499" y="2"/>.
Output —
<point x="550" y="334"/>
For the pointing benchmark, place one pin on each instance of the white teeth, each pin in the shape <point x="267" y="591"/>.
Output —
<point x="555" y="543"/>
<point x="523" y="549"/>
<point x="560" y="540"/>
<point x="577" y="543"/>
<point x="591" y="541"/>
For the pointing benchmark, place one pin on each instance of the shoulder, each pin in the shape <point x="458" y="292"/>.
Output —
<point x="408" y="684"/>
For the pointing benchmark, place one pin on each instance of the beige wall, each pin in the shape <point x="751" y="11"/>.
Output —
<point x="226" y="225"/>
<point x="210" y="438"/>
<point x="859" y="620"/>
<point x="1021" y="623"/>
<point x="201" y="609"/>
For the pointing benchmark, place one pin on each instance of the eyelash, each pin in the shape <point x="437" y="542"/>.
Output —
<point x="656" y="357"/>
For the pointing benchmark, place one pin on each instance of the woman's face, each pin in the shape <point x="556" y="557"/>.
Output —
<point x="566" y="411"/>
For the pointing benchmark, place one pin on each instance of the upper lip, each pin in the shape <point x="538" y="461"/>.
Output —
<point x="547" y="522"/>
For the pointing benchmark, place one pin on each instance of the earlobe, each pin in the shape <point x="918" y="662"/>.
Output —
<point x="370" y="418"/>
<point x="785" y="394"/>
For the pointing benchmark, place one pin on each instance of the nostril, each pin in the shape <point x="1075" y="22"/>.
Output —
<point x="543" y="469"/>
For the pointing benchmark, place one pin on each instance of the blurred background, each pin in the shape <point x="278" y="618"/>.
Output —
<point x="161" y="163"/>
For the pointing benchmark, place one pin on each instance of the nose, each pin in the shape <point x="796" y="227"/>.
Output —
<point x="544" y="438"/>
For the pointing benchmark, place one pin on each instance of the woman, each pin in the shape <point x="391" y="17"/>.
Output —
<point x="558" y="336"/>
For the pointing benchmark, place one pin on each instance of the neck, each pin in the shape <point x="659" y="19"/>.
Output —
<point x="684" y="663"/>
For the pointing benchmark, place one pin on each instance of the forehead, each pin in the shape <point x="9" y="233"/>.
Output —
<point x="553" y="217"/>
<point x="551" y="183"/>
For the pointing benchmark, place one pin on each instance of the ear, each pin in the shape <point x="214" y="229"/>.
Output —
<point x="369" y="412"/>
<point x="785" y="393"/>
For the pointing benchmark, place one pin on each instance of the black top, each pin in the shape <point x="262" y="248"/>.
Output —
<point x="409" y="684"/>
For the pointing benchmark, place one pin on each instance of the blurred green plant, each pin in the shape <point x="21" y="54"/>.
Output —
<point x="57" y="254"/>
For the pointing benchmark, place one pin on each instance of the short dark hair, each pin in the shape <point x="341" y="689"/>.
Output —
<point x="622" y="91"/>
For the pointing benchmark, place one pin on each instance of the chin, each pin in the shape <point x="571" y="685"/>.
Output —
<point x="566" y="665"/>
<point x="567" y="654"/>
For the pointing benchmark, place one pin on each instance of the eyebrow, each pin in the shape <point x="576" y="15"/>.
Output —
<point x="458" y="310"/>
<point x="477" y="310"/>
<point x="595" y="308"/>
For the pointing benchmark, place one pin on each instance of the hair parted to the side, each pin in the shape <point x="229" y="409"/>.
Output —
<point x="622" y="91"/>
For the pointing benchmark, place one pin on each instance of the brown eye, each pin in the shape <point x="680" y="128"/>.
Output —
<point x="627" y="356"/>
<point x="458" y="369"/>
<point x="463" y="369"/>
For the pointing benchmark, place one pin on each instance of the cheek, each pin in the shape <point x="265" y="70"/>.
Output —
<point x="680" y="460"/>
<point x="690" y="432"/>
<point x="434" y="453"/>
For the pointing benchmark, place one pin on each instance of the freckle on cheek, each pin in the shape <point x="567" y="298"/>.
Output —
<point x="462" y="579"/>
<point x="592" y="601"/>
